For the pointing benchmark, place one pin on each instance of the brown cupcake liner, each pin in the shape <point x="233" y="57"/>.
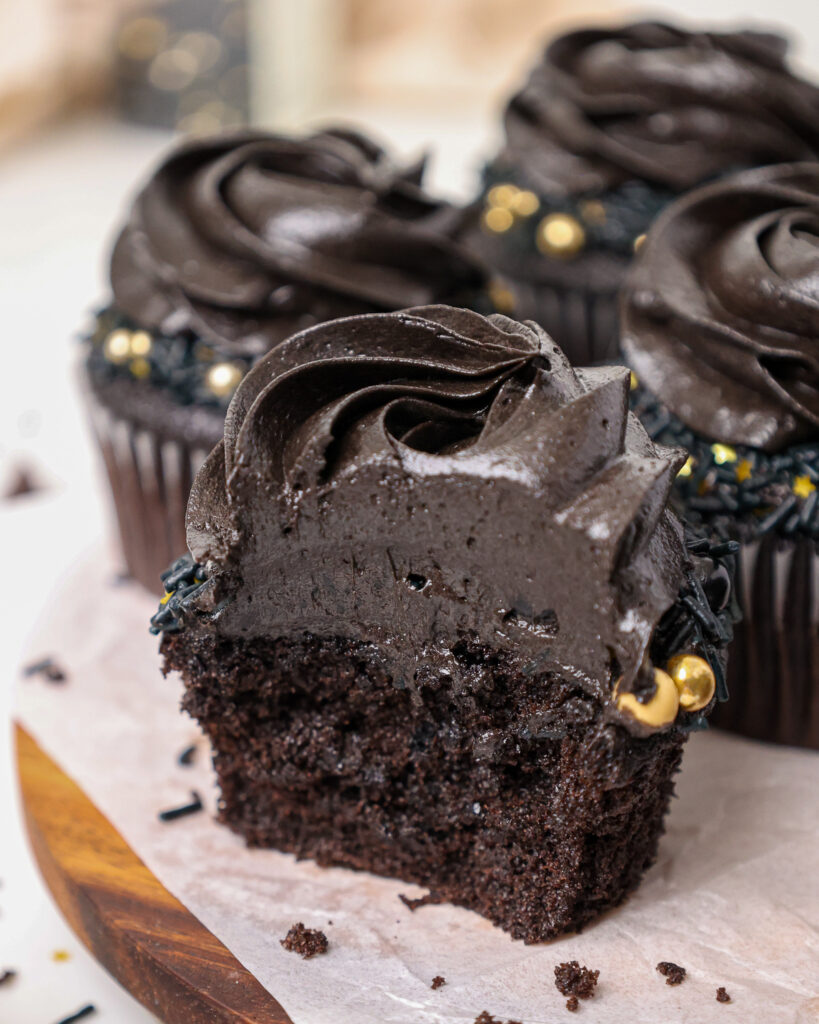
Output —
<point x="583" y="323"/>
<point x="773" y="665"/>
<point x="150" y="479"/>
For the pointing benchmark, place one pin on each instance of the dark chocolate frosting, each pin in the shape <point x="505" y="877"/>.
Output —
<point x="244" y="238"/>
<point x="720" y="314"/>
<point x="656" y="103"/>
<point x="408" y="478"/>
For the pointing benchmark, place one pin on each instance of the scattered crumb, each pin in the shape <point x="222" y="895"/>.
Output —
<point x="486" y="1018"/>
<point x="23" y="482"/>
<point x="7" y="976"/>
<point x="60" y="956"/>
<point x="422" y="901"/>
<point x="573" y="980"/>
<point x="307" y="942"/>
<point x="673" y="973"/>
<point x="722" y="995"/>
<point x="572" y="1004"/>
<point x="437" y="981"/>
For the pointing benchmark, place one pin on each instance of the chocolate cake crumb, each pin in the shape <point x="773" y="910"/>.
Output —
<point x="722" y="995"/>
<point x="673" y="973"/>
<point x="431" y="898"/>
<point x="437" y="981"/>
<point x="9" y="975"/>
<point x="573" y="980"/>
<point x="307" y="942"/>
<point x="486" y="1018"/>
<point x="572" y="1004"/>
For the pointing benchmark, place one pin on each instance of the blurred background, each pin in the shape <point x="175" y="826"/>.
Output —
<point x="91" y="91"/>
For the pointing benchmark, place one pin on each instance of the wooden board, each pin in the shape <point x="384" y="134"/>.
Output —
<point x="137" y="930"/>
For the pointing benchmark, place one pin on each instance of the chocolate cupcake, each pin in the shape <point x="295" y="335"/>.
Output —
<point x="611" y="126"/>
<point x="432" y="574"/>
<point x="234" y="243"/>
<point x="721" y="324"/>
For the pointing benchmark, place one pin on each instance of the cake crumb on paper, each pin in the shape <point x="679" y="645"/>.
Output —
<point x="307" y="942"/>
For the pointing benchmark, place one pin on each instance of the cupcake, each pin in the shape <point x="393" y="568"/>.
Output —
<point x="611" y="126"/>
<point x="437" y="621"/>
<point x="234" y="243"/>
<point x="720" y="321"/>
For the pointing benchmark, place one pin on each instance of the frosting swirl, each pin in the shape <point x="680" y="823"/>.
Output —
<point x="246" y="237"/>
<point x="407" y="478"/>
<point x="720" y="314"/>
<point x="652" y="102"/>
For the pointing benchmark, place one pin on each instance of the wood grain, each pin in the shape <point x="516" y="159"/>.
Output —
<point x="137" y="930"/>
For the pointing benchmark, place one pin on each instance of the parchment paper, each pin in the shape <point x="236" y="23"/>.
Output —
<point x="734" y="897"/>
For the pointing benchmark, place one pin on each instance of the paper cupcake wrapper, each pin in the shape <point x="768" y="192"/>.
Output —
<point x="150" y="482"/>
<point x="583" y="323"/>
<point x="773" y="665"/>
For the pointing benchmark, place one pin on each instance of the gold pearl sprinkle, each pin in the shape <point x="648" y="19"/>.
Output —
<point x="803" y="486"/>
<point x="743" y="470"/>
<point x="141" y="343"/>
<point x="501" y="297"/>
<point x="660" y="710"/>
<point x="222" y="379"/>
<point x="694" y="679"/>
<point x="117" y="346"/>
<point x="687" y="468"/>
<point x="140" y="367"/>
<point x="498" y="219"/>
<point x="524" y="204"/>
<point x="592" y="211"/>
<point x="723" y="453"/>
<point x="639" y="241"/>
<point x="560" y="235"/>
<point x="502" y="195"/>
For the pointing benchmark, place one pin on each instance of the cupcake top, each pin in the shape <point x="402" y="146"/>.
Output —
<point x="407" y="479"/>
<point x="654" y="103"/>
<point x="243" y="238"/>
<point x="720" y="314"/>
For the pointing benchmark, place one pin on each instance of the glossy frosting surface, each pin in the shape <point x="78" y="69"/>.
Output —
<point x="413" y="477"/>
<point x="246" y="237"/>
<point x="720" y="315"/>
<point x="652" y="102"/>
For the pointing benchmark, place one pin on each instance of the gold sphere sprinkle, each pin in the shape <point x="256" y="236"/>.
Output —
<point x="140" y="367"/>
<point x="694" y="679"/>
<point x="592" y="211"/>
<point x="660" y="710"/>
<point x="638" y="242"/>
<point x="743" y="470"/>
<point x="524" y="204"/>
<point x="560" y="235"/>
<point x="501" y="297"/>
<point x="141" y="343"/>
<point x="498" y="219"/>
<point x="803" y="486"/>
<point x="222" y="379"/>
<point x="723" y="453"/>
<point x="687" y="468"/>
<point x="117" y="346"/>
<point x="502" y="195"/>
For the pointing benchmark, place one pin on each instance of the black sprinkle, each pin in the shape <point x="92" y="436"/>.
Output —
<point x="46" y="667"/>
<point x="186" y="757"/>
<point x="7" y="976"/>
<point x="185" y="809"/>
<point x="81" y="1014"/>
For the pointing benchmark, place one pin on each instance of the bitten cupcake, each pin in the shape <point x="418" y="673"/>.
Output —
<point x="720" y="321"/>
<point x="234" y="243"/>
<point x="438" y="622"/>
<point x="611" y="126"/>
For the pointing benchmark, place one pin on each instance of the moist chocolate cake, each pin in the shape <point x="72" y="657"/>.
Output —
<point x="432" y="586"/>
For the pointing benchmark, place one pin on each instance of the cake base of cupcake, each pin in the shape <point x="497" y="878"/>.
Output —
<point x="501" y="790"/>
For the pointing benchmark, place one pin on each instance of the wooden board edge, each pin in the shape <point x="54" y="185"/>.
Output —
<point x="135" y="928"/>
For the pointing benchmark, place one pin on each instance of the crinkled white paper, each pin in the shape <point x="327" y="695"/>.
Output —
<point x="734" y="897"/>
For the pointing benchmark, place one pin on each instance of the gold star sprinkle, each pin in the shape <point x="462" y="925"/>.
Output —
<point x="723" y="453"/>
<point x="687" y="468"/>
<point x="524" y="204"/>
<point x="502" y="195"/>
<point x="743" y="470"/>
<point x="633" y="381"/>
<point x="560" y="235"/>
<point x="166" y="597"/>
<point x="498" y="219"/>
<point x="223" y="378"/>
<point x="803" y="486"/>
